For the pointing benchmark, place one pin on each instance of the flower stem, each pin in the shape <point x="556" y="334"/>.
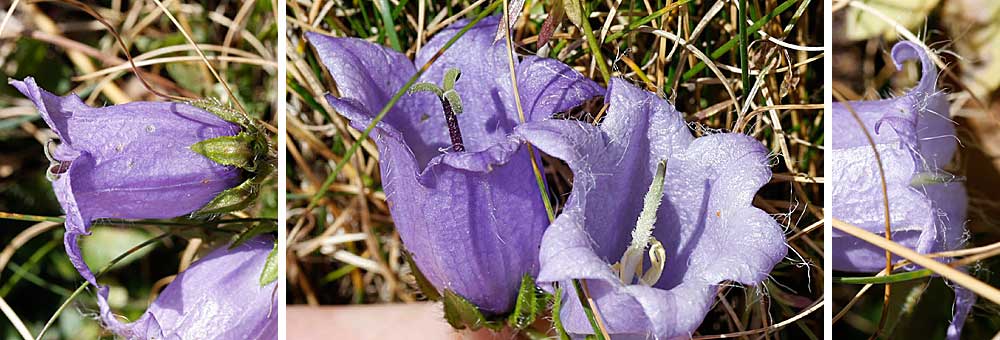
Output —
<point x="595" y="48"/>
<point x="595" y="322"/>
<point x="893" y="278"/>
<point x="96" y="276"/>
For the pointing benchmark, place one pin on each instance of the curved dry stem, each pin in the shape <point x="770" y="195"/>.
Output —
<point x="954" y="275"/>
<point x="885" y="206"/>
<point x="766" y="330"/>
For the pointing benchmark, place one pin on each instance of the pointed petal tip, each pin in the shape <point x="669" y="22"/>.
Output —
<point x="907" y="50"/>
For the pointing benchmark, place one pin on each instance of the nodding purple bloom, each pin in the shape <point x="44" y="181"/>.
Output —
<point x="129" y="161"/>
<point x="704" y="231"/>
<point x="462" y="194"/>
<point x="916" y="140"/>
<point x="218" y="297"/>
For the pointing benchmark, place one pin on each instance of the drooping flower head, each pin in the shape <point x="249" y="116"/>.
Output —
<point x="704" y="230"/>
<point x="471" y="217"/>
<point x="129" y="161"/>
<point x="915" y="138"/>
<point x="144" y="160"/>
<point x="218" y="297"/>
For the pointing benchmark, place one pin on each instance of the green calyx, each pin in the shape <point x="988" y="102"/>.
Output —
<point x="933" y="177"/>
<point x="425" y="285"/>
<point x="462" y="314"/>
<point x="270" y="272"/>
<point x="228" y="150"/>
<point x="531" y="304"/>
<point x="250" y="150"/>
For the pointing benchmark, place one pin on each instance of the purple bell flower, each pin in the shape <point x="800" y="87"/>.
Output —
<point x="915" y="138"/>
<point x="218" y="297"/>
<point x="705" y="230"/>
<point x="129" y="161"/>
<point x="472" y="219"/>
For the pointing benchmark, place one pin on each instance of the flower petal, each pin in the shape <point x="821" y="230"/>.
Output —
<point x="709" y="189"/>
<point x="217" y="297"/>
<point x="614" y="160"/>
<point x="920" y="139"/>
<point x="55" y="110"/>
<point x="139" y="163"/>
<point x="964" y="300"/>
<point x="620" y="312"/>
<point x="546" y="86"/>
<point x="370" y="75"/>
<point x="462" y="215"/>
<point x="706" y="212"/>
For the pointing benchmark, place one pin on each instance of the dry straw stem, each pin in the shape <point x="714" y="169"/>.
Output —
<point x="166" y="60"/>
<point x="885" y="208"/>
<point x="815" y="307"/>
<point x="187" y="36"/>
<point x="15" y="320"/>
<point x="952" y="274"/>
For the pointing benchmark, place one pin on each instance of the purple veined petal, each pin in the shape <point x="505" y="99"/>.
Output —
<point x="56" y="111"/>
<point x="218" y="297"/>
<point x="465" y="217"/>
<point x="370" y="75"/>
<point x="139" y="162"/>
<point x="706" y="212"/>
<point x="462" y="215"/>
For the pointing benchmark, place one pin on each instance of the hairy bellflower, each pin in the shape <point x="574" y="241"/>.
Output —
<point x="460" y="189"/>
<point x="643" y="184"/>
<point x="915" y="139"/>
<point x="145" y="160"/>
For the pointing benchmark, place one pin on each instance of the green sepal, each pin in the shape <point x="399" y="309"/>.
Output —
<point x="462" y="314"/>
<point x="933" y="177"/>
<point x="225" y="112"/>
<point x="232" y="199"/>
<point x="557" y="298"/>
<point x="240" y="196"/>
<point x="257" y="229"/>
<point x="235" y="150"/>
<point x="270" y="272"/>
<point x="422" y="282"/>
<point x="531" y="302"/>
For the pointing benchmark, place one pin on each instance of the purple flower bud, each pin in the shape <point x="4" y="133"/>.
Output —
<point x="915" y="138"/>
<point x="130" y="161"/>
<point x="705" y="229"/>
<point x="472" y="219"/>
<point x="217" y="297"/>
